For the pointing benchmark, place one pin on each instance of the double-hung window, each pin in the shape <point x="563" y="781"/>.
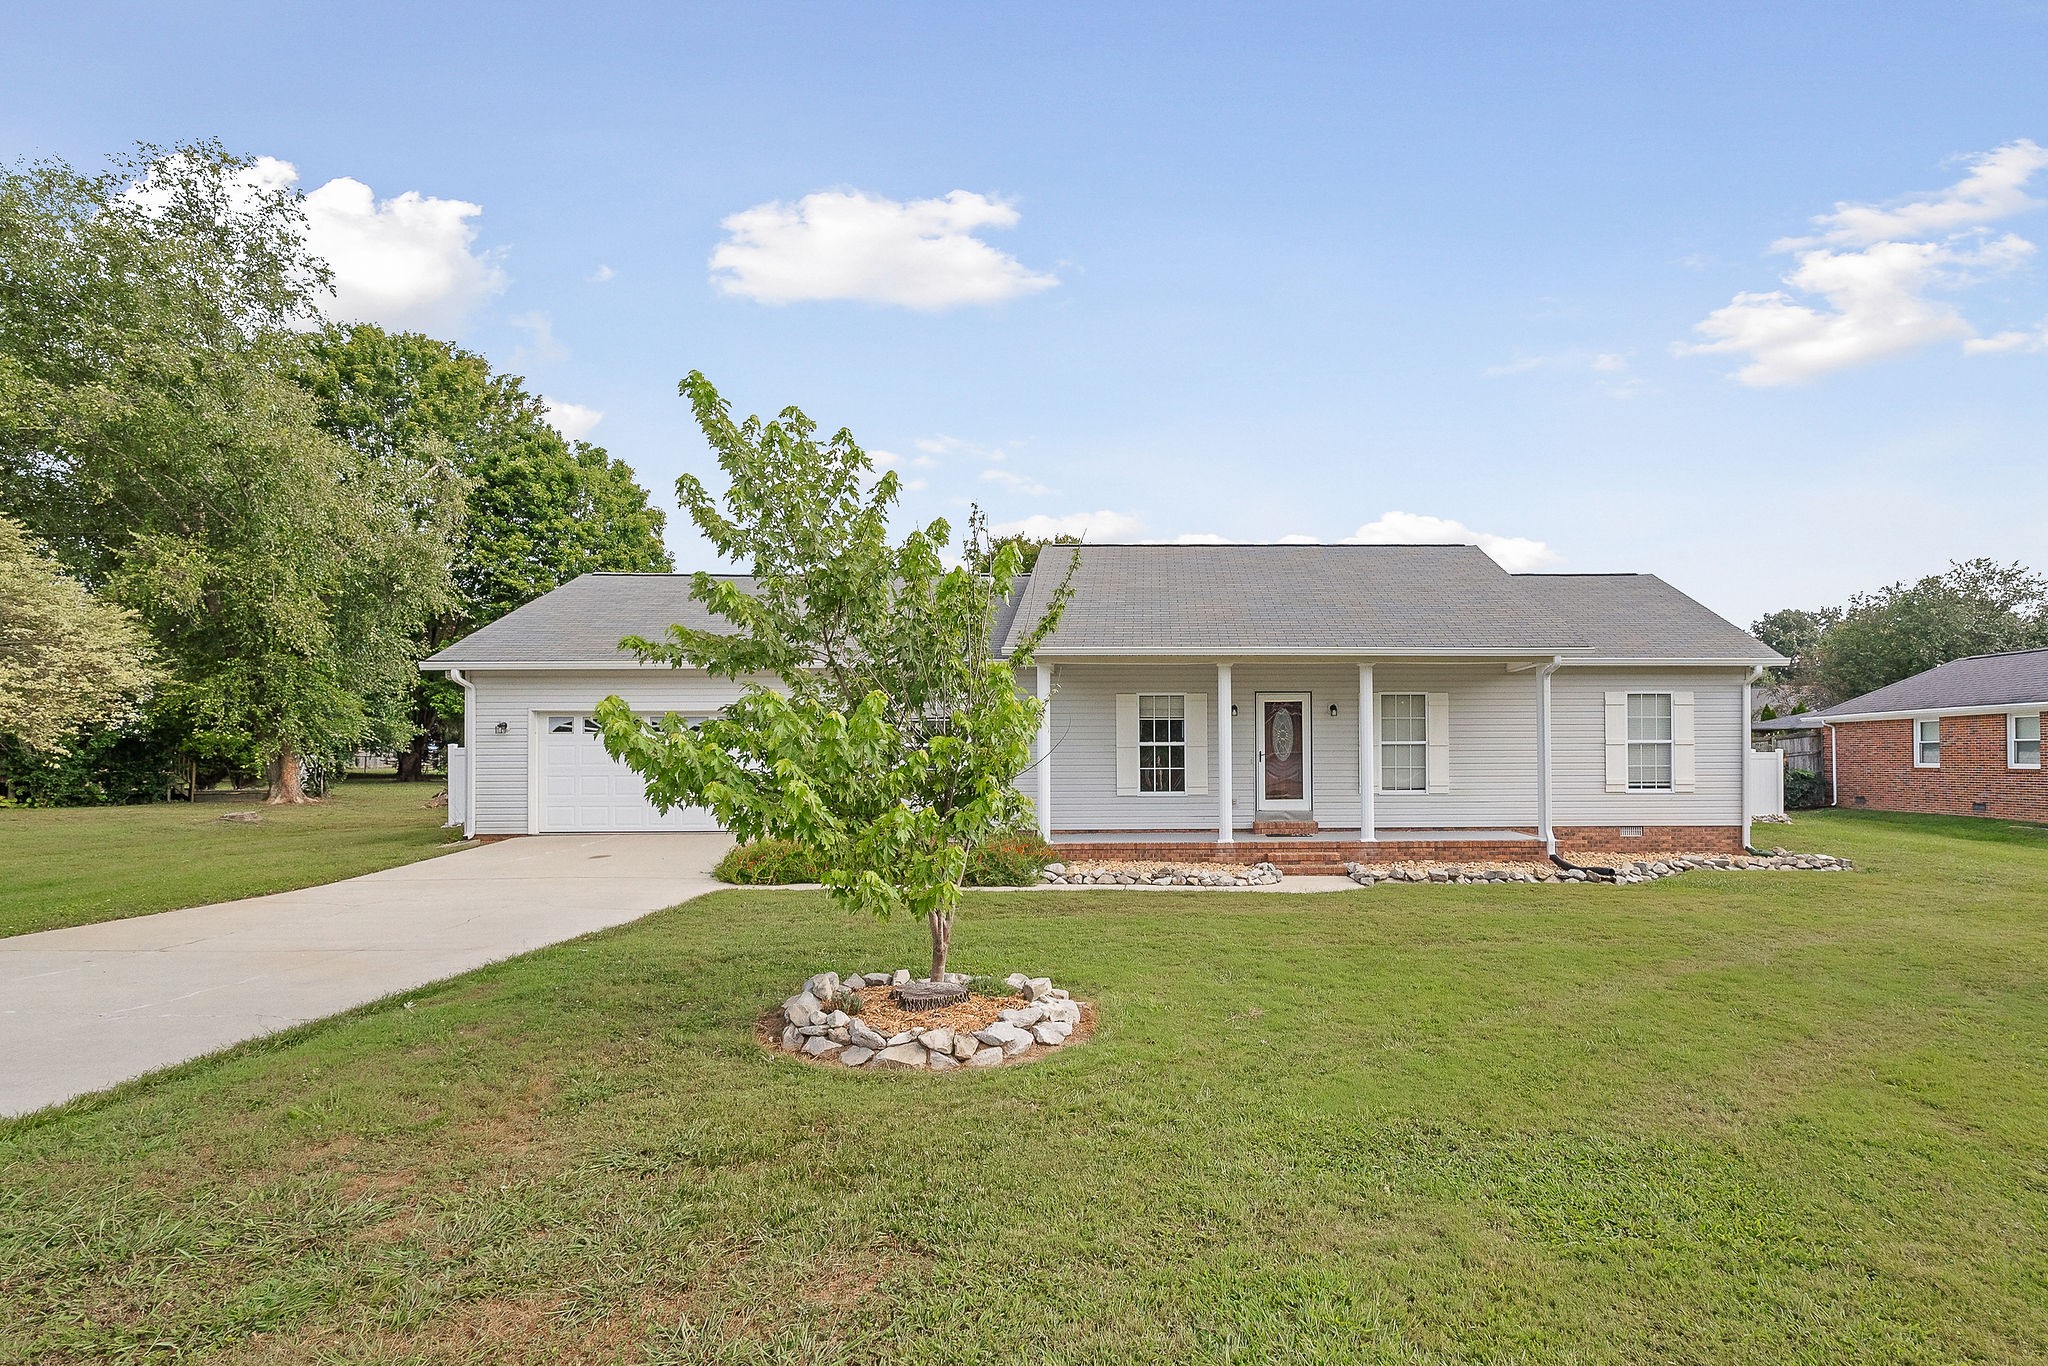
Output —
<point x="1404" y="742"/>
<point x="1649" y="742"/>
<point x="2023" y="741"/>
<point x="1162" y="742"/>
<point x="1927" y="742"/>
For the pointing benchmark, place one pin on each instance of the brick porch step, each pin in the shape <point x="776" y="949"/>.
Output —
<point x="1284" y="829"/>
<point x="1304" y="857"/>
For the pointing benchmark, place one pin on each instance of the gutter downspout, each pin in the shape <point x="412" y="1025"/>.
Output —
<point x="1544" y="829"/>
<point x="468" y="752"/>
<point x="1834" y="764"/>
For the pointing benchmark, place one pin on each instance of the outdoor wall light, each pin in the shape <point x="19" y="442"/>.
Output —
<point x="1233" y="708"/>
<point x="1333" y="709"/>
<point x="504" y="726"/>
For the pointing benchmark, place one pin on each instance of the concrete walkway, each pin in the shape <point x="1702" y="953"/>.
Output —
<point x="86" y="1007"/>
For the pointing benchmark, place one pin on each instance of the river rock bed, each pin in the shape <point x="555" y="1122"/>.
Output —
<point x="853" y="1021"/>
<point x="1593" y="867"/>
<point x="1139" y="873"/>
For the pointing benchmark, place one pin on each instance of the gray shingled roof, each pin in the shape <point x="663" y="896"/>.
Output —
<point x="1251" y="599"/>
<point x="1639" y="616"/>
<point x="2015" y="678"/>
<point x="1212" y="600"/>
<point x="582" y="621"/>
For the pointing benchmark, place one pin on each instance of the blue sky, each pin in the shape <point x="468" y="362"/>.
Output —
<point x="1242" y="272"/>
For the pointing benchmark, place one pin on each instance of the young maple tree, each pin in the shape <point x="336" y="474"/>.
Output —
<point x="892" y="741"/>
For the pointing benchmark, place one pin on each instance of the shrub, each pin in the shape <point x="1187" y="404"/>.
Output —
<point x="1010" y="860"/>
<point x="1804" y="790"/>
<point x="766" y="863"/>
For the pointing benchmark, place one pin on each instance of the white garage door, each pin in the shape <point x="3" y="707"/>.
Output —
<point x="582" y="788"/>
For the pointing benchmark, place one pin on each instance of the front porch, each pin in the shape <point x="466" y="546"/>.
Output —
<point x="1324" y="852"/>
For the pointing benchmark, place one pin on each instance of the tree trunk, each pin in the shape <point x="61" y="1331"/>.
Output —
<point x="287" y="780"/>
<point x="412" y="760"/>
<point x="942" y="940"/>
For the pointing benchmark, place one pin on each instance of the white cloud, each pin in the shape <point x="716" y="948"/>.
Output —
<point x="1603" y="362"/>
<point x="1514" y="553"/>
<point x="2037" y="340"/>
<point x="1198" y="538"/>
<point x="409" y="262"/>
<point x="1877" y="273"/>
<point x="540" y="343"/>
<point x="1877" y="304"/>
<point x="1090" y="526"/>
<point x="573" y="420"/>
<point x="602" y="275"/>
<point x="1297" y="538"/>
<point x="846" y="244"/>
<point x="1995" y="188"/>
<point x="1015" y="482"/>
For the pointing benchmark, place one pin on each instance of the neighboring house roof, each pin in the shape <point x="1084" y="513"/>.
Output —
<point x="1639" y="616"/>
<point x="583" y="621"/>
<point x="2016" y="678"/>
<point x="1210" y="601"/>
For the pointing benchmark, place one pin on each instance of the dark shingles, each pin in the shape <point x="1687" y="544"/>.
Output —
<point x="2014" y="678"/>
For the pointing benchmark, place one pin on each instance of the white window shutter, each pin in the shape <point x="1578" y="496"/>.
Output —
<point x="1198" y="743"/>
<point x="1617" y="742"/>
<point x="1683" y="767"/>
<point x="1437" y="729"/>
<point x="1126" y="744"/>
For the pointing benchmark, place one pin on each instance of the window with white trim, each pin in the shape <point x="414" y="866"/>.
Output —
<point x="561" y="725"/>
<point x="1162" y="742"/>
<point x="1927" y="742"/>
<point x="2023" y="741"/>
<point x="1649" y="742"/>
<point x="1404" y="742"/>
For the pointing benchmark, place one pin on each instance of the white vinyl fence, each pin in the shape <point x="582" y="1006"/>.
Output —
<point x="458" y="785"/>
<point x="1766" y="782"/>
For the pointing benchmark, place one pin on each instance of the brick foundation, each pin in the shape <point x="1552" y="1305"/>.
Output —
<point x="1658" y="839"/>
<point x="1875" y="770"/>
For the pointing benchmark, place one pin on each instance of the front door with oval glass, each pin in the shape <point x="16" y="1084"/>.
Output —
<point x="1283" y="751"/>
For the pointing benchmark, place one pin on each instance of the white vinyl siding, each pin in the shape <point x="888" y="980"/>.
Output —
<point x="1927" y="742"/>
<point x="525" y="701"/>
<point x="1589" y="746"/>
<point x="2023" y="740"/>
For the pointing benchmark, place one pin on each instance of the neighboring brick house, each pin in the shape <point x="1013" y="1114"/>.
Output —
<point x="1961" y="739"/>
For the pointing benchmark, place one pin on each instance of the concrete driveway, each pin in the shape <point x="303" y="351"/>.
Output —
<point x="86" y="1007"/>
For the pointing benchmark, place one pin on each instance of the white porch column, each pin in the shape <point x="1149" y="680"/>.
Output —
<point x="1044" y="755"/>
<point x="1224" y="834"/>
<point x="1544" y="831"/>
<point x="1368" y="775"/>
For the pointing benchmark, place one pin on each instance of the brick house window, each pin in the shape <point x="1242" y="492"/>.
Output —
<point x="2023" y="741"/>
<point x="1927" y="742"/>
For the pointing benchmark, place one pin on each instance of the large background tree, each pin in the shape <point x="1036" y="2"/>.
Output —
<point x="893" y="744"/>
<point x="153" y="434"/>
<point x="538" y="509"/>
<point x="1974" y="607"/>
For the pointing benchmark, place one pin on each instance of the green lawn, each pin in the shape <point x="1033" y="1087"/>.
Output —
<point x="78" y="865"/>
<point x="1726" y="1117"/>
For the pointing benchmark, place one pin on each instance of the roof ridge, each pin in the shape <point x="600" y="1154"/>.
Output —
<point x="1994" y="654"/>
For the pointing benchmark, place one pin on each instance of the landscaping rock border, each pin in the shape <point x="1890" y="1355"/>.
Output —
<point x="1594" y="868"/>
<point x="816" y="1029"/>
<point x="1162" y="875"/>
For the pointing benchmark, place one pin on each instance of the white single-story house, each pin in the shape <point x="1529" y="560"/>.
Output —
<point x="1309" y="703"/>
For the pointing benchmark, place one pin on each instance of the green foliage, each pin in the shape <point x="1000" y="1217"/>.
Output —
<point x="1804" y="790"/>
<point x="1974" y="607"/>
<point x="894" y="748"/>
<point x="1010" y="859"/>
<point x="1006" y="860"/>
<point x="67" y="658"/>
<point x="767" y="863"/>
<point x="100" y="765"/>
<point x="537" y="510"/>
<point x="152" y="433"/>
